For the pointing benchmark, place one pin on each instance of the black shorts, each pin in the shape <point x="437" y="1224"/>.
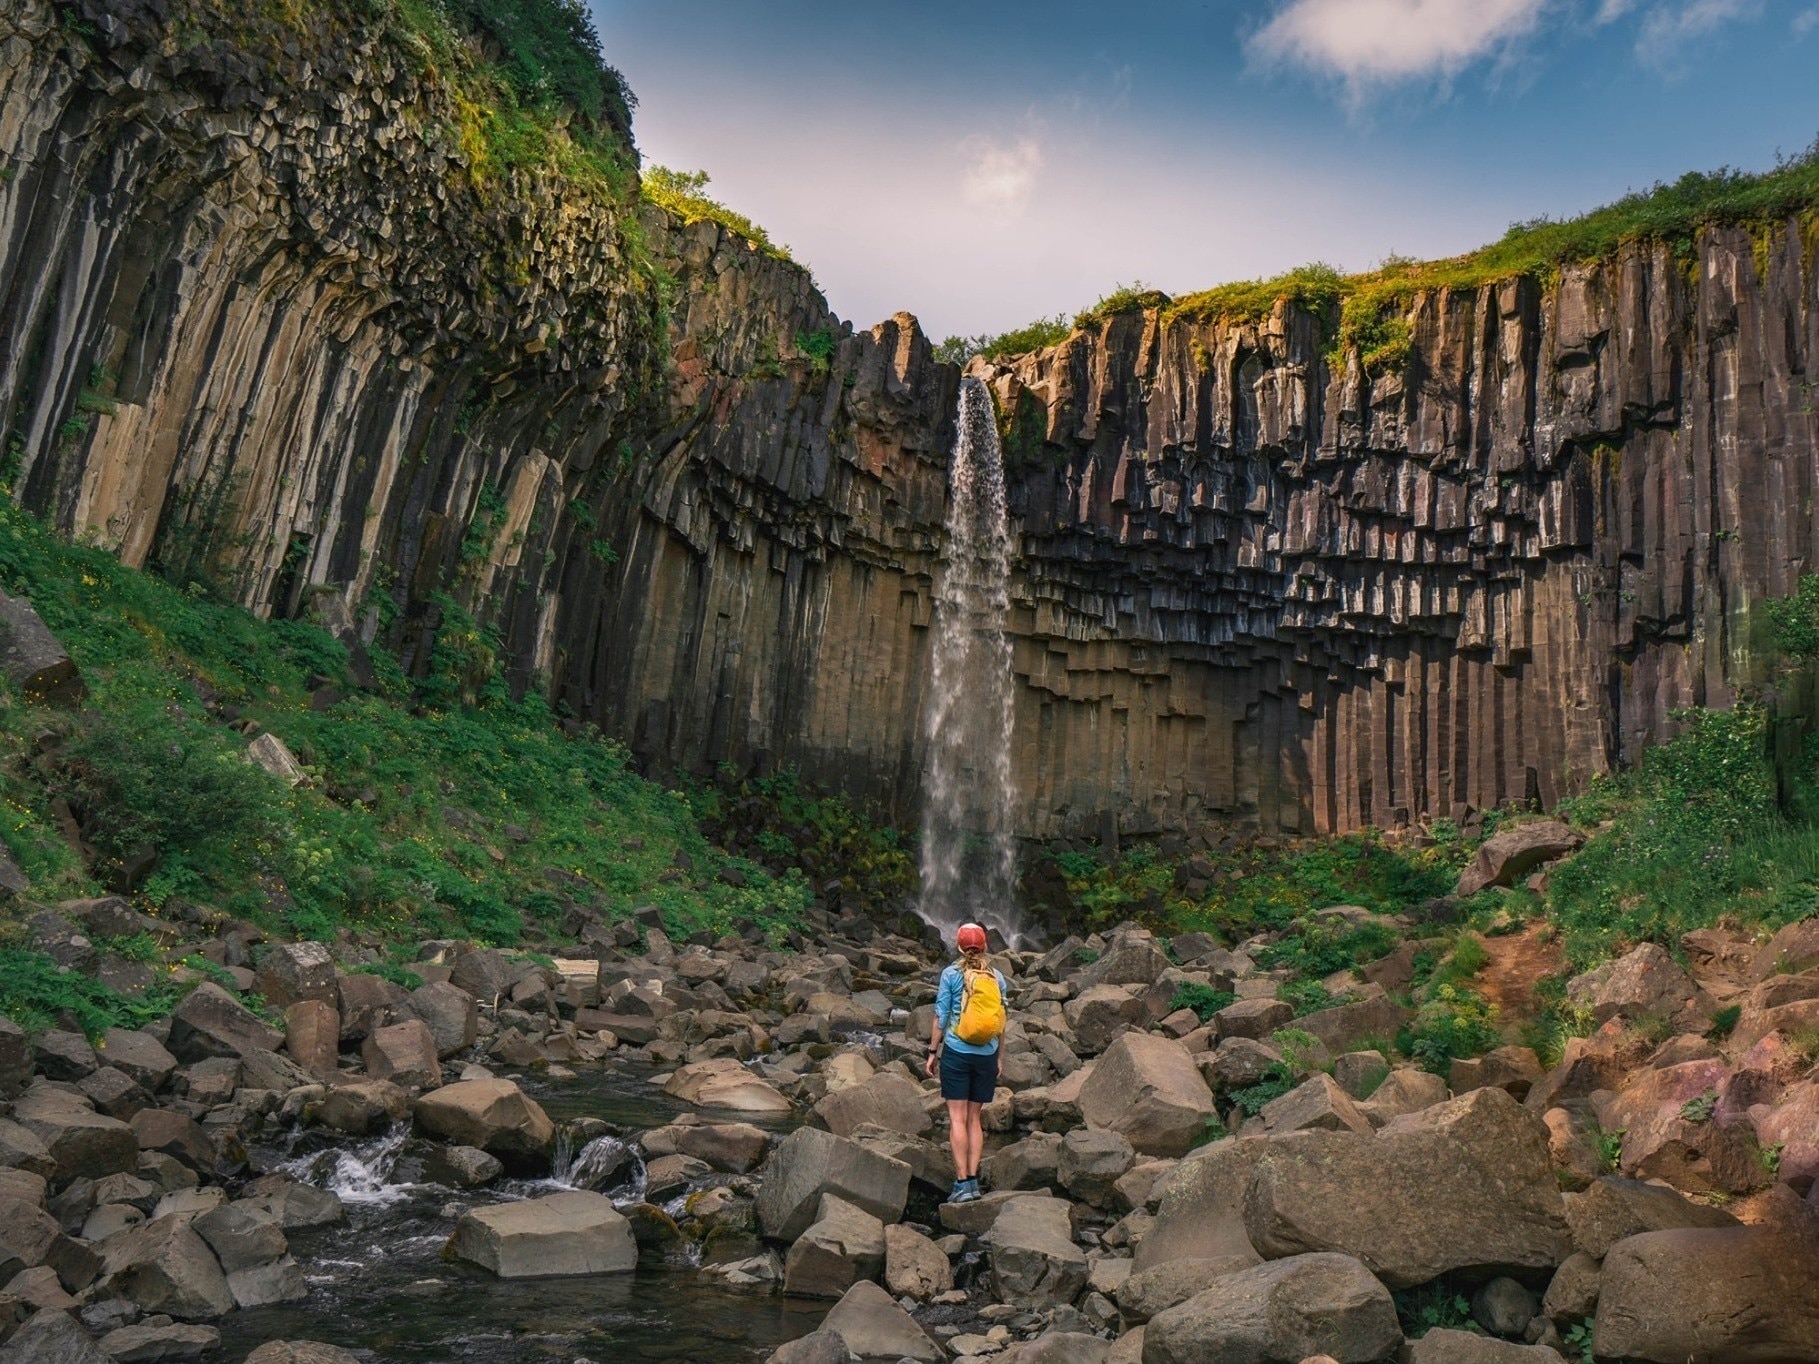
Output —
<point x="967" y="1076"/>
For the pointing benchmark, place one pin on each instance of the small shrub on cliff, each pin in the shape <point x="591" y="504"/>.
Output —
<point x="1316" y="945"/>
<point x="683" y="193"/>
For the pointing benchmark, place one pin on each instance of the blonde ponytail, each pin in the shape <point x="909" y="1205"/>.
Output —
<point x="975" y="960"/>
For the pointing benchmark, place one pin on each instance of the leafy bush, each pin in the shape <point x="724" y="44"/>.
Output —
<point x="1033" y="336"/>
<point x="1203" y="999"/>
<point x="35" y="992"/>
<point x="1697" y="836"/>
<point x="683" y="193"/>
<point x="1436" y="1306"/>
<point x="1318" y="946"/>
<point x="1455" y="1022"/>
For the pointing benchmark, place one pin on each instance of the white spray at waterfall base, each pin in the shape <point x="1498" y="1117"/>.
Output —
<point x="968" y="850"/>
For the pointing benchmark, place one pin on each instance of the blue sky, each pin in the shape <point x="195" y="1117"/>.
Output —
<point x="983" y="164"/>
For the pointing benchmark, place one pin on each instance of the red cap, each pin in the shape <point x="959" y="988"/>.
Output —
<point x="970" y="938"/>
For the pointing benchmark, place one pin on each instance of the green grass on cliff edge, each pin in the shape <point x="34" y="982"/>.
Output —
<point x="1364" y="307"/>
<point x="422" y="815"/>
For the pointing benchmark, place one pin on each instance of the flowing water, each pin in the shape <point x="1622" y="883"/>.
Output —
<point x="379" y="1284"/>
<point x="968" y="849"/>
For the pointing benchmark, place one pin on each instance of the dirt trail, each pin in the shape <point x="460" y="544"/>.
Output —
<point x="1517" y="963"/>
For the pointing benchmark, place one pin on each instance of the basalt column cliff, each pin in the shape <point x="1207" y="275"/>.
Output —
<point x="267" y="315"/>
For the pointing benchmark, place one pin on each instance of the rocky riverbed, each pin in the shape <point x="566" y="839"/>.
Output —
<point x="726" y="1149"/>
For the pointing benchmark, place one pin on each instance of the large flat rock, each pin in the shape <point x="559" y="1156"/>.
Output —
<point x="565" y="1234"/>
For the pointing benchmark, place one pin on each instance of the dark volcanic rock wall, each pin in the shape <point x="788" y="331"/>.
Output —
<point x="264" y="321"/>
<point x="1254" y="588"/>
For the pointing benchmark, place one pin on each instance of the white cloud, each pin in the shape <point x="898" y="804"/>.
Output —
<point x="999" y="176"/>
<point x="1669" y="29"/>
<point x="1805" y="22"/>
<point x="1612" y="10"/>
<point x="1375" y="42"/>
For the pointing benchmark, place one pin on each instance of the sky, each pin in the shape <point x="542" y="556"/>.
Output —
<point x="982" y="165"/>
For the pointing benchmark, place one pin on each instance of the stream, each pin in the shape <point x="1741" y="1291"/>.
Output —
<point x="379" y="1284"/>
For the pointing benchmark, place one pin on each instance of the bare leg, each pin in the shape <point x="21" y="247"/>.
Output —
<point x="975" y="1139"/>
<point x="957" y="1135"/>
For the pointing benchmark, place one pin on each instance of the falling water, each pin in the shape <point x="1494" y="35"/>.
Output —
<point x="968" y="854"/>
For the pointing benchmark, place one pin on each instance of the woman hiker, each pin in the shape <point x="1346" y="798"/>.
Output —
<point x="963" y="1043"/>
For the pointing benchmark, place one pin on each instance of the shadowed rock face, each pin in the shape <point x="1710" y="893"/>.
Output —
<point x="1258" y="585"/>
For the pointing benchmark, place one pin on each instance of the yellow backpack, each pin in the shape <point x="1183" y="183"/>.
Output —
<point x="981" y="1009"/>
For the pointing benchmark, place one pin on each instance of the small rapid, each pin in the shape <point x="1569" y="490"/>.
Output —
<point x="380" y="1282"/>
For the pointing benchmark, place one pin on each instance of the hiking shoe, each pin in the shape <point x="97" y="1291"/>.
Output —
<point x="969" y="1192"/>
<point x="957" y="1194"/>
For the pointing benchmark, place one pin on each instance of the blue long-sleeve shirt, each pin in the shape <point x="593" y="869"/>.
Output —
<point x="947" y="1010"/>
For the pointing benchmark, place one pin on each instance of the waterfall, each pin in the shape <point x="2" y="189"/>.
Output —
<point x="968" y="852"/>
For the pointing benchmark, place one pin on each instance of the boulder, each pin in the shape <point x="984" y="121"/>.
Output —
<point x="725" y="1083"/>
<point x="1148" y="1089"/>
<point x="143" y="1344"/>
<point x="1572" y="1294"/>
<point x="1238" y="1062"/>
<point x="165" y="1266"/>
<point x="80" y="1142"/>
<point x="886" y="1100"/>
<point x="140" y="1056"/>
<point x="312" y="1036"/>
<point x="1710" y="1295"/>
<point x="300" y="1352"/>
<point x="914" y="1265"/>
<point x="731" y="1147"/>
<point x="461" y="1167"/>
<point x="1344" y="1026"/>
<point x="1504" y="1307"/>
<point x="1407" y="1090"/>
<point x="877" y="1331"/>
<point x="32" y="659"/>
<point x="1463" y="1347"/>
<point x="1644" y="983"/>
<point x="1091" y="1164"/>
<point x="1466" y="1185"/>
<point x="1027" y="1165"/>
<point x="177" y="1135"/>
<point x="1793" y="949"/>
<point x="289" y="972"/>
<point x="561" y="1235"/>
<point x="271" y="753"/>
<point x="1793" y="1125"/>
<point x="1060" y="1347"/>
<point x="210" y="1022"/>
<point x="1514" y="852"/>
<point x="366" y="1002"/>
<point x="494" y="1115"/>
<point x="1100" y="1012"/>
<point x="1359" y="1073"/>
<point x="362" y="1108"/>
<point x="451" y="1014"/>
<point x="1034" y="1260"/>
<point x="1200" y="1207"/>
<point x="843" y="1245"/>
<point x="1316" y="1104"/>
<point x="1131" y="957"/>
<point x="1255" y="1019"/>
<point x="15" y="1058"/>
<point x="809" y="1163"/>
<point x="1317" y="1304"/>
<point x="1514" y="1069"/>
<point x="404" y="1053"/>
<point x="1160" y="1287"/>
<point x="818" y="1347"/>
<point x="1612" y="1210"/>
<point x="52" y="1337"/>
<point x="65" y="1055"/>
